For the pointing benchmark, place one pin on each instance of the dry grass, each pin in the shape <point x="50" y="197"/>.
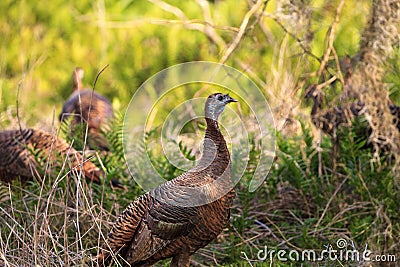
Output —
<point x="51" y="225"/>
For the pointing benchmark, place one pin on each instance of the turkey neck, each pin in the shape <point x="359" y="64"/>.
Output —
<point x="215" y="153"/>
<point x="213" y="132"/>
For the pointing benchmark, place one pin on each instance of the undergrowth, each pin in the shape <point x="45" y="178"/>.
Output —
<point x="310" y="200"/>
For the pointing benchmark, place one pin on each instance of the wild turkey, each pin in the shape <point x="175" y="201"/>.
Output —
<point x="162" y="223"/>
<point x="19" y="147"/>
<point x="329" y="120"/>
<point x="87" y="106"/>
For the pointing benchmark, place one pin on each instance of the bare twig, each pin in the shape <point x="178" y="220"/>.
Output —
<point x="207" y="28"/>
<point x="331" y="39"/>
<point x="243" y="28"/>
<point x="286" y="240"/>
<point x="337" y="61"/>
<point x="326" y="83"/>
<point x="192" y="24"/>
<point x="330" y="201"/>
<point x="170" y="9"/>
<point x="17" y="103"/>
<point x="297" y="39"/>
<point x="90" y="107"/>
<point x="98" y="75"/>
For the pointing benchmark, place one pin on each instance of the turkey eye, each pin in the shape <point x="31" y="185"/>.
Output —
<point x="220" y="98"/>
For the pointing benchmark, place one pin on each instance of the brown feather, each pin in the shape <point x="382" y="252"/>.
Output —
<point x="18" y="150"/>
<point x="87" y="106"/>
<point x="160" y="224"/>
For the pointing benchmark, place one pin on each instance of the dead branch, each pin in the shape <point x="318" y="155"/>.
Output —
<point x="297" y="39"/>
<point x="331" y="38"/>
<point x="207" y="28"/>
<point x="243" y="28"/>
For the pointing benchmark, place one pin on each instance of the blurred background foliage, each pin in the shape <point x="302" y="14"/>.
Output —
<point x="42" y="42"/>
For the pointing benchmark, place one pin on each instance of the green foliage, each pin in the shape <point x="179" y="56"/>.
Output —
<point x="310" y="198"/>
<point x="306" y="203"/>
<point x="393" y="76"/>
<point x="345" y="199"/>
<point x="42" y="42"/>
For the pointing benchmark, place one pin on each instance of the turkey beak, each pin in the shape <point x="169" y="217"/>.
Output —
<point x="230" y="99"/>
